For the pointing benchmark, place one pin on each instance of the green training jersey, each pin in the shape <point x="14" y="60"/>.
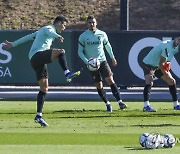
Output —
<point x="164" y="49"/>
<point x="43" y="39"/>
<point x="91" y="45"/>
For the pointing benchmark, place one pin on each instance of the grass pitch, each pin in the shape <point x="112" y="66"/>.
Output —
<point x="84" y="128"/>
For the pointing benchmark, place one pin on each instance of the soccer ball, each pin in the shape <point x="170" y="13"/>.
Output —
<point x="160" y="141"/>
<point x="169" y="141"/>
<point x="143" y="138"/>
<point x="93" y="64"/>
<point x="152" y="141"/>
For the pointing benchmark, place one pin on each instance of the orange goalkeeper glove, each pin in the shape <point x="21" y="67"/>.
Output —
<point x="167" y="66"/>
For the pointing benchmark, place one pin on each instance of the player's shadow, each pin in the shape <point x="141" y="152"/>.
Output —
<point x="77" y="111"/>
<point x="153" y="115"/>
<point x="88" y="115"/>
<point x="135" y="148"/>
<point x="158" y="125"/>
<point x="138" y="148"/>
<point x="115" y="114"/>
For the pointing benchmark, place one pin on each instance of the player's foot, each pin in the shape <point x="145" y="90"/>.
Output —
<point x="122" y="106"/>
<point x="109" y="108"/>
<point x="41" y="121"/>
<point x="71" y="75"/>
<point x="149" y="109"/>
<point x="177" y="107"/>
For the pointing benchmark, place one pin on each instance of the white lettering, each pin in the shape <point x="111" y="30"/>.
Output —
<point x="1" y="72"/>
<point x="5" y="72"/>
<point x="7" y="54"/>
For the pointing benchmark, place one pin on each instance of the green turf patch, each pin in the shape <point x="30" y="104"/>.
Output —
<point x="69" y="139"/>
<point x="84" y="127"/>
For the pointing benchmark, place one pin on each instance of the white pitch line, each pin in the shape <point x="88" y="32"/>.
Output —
<point x="74" y="92"/>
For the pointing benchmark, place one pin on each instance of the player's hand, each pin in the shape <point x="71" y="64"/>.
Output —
<point x="166" y="66"/>
<point x="60" y="39"/>
<point x="7" y="45"/>
<point x="114" y="62"/>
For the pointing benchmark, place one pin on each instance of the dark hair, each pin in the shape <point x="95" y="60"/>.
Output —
<point x="90" y="17"/>
<point x="175" y="37"/>
<point x="60" y="18"/>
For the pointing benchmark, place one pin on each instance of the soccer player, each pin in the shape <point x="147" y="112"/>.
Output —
<point x="157" y="64"/>
<point x="91" y="45"/>
<point x="41" y="54"/>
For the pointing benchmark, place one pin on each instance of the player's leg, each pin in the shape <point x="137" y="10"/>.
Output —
<point x="61" y="56"/>
<point x="115" y="91"/>
<point x="43" y="83"/>
<point x="38" y="63"/>
<point x="103" y="96"/>
<point x="149" y="75"/>
<point x="172" y="89"/>
<point x="108" y="75"/>
<point x="96" y="76"/>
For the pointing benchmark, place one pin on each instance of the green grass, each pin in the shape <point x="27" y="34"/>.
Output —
<point x="83" y="127"/>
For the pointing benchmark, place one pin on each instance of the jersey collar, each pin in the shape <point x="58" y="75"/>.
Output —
<point x="93" y="31"/>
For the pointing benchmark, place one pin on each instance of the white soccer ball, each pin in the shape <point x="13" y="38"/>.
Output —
<point x="143" y="138"/>
<point x="152" y="141"/>
<point x="169" y="141"/>
<point x="160" y="141"/>
<point x="93" y="64"/>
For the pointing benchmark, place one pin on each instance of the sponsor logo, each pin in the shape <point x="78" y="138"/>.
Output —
<point x="5" y="57"/>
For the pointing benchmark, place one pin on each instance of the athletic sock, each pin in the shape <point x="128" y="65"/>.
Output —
<point x="116" y="92"/>
<point x="147" y="93"/>
<point x="120" y="101"/>
<point x="40" y="101"/>
<point x="176" y="103"/>
<point x="174" y="93"/>
<point x="146" y="103"/>
<point x="62" y="61"/>
<point x="39" y="114"/>
<point x="66" y="71"/>
<point x="103" y="96"/>
<point x="108" y="103"/>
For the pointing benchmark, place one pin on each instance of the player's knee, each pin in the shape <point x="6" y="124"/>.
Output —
<point x="172" y="81"/>
<point x="149" y="80"/>
<point x="45" y="89"/>
<point x="61" y="51"/>
<point x="149" y="83"/>
<point x="57" y="52"/>
<point x="99" y="85"/>
<point x="109" y="80"/>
